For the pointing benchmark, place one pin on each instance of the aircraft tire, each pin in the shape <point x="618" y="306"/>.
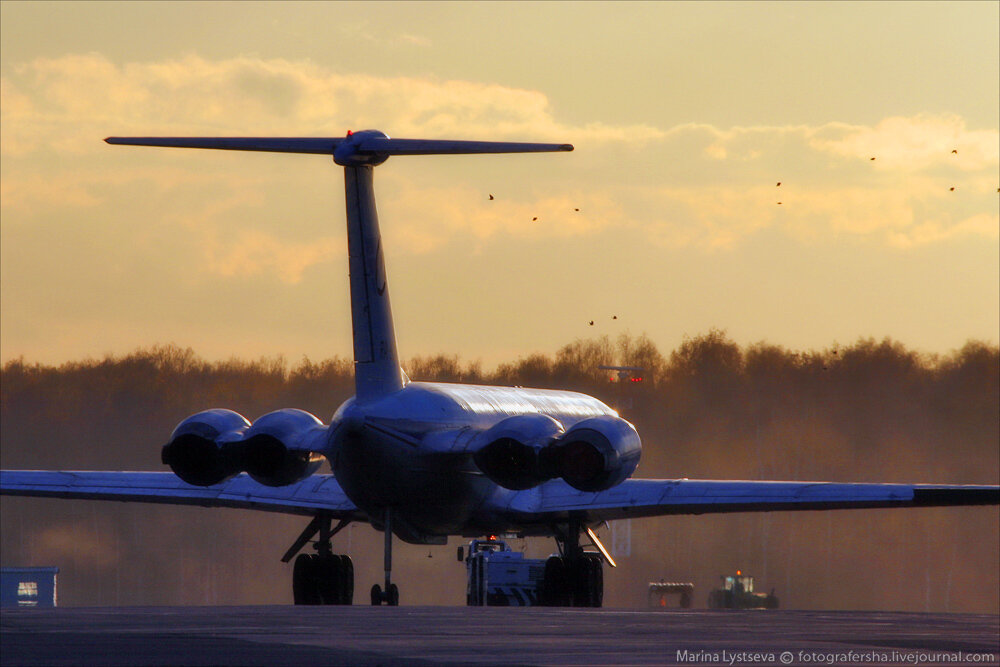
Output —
<point x="305" y="582"/>
<point x="328" y="578"/>
<point x="554" y="583"/>
<point x="579" y="581"/>
<point x="298" y="580"/>
<point x="346" y="580"/>
<point x="314" y="578"/>
<point x="393" y="595"/>
<point x="376" y="595"/>
<point x="595" y="581"/>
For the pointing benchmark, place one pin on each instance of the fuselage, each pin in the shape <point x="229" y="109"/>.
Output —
<point x="411" y="450"/>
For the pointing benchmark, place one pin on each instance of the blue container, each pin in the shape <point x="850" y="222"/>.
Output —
<point x="28" y="586"/>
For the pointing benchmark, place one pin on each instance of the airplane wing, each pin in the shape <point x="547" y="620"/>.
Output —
<point x="318" y="493"/>
<point x="556" y="501"/>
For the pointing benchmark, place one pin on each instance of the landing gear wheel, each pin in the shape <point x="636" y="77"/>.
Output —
<point x="554" y="588"/>
<point x="597" y="581"/>
<point x="323" y="577"/>
<point x="299" y="584"/>
<point x="305" y="584"/>
<point x="392" y="596"/>
<point x="580" y="577"/>
<point x="589" y="580"/>
<point x="328" y="579"/>
<point x="576" y="578"/>
<point x="376" y="595"/>
<point x="577" y="582"/>
<point x="346" y="580"/>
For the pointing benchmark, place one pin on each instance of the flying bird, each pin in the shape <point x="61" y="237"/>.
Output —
<point x="778" y="185"/>
<point x="955" y="151"/>
<point x="534" y="219"/>
<point x="614" y="317"/>
<point x="951" y="189"/>
<point x="577" y="210"/>
<point x="591" y="322"/>
<point x="491" y="197"/>
<point x="872" y="158"/>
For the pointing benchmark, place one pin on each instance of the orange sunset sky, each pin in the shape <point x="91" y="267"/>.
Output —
<point x="685" y="117"/>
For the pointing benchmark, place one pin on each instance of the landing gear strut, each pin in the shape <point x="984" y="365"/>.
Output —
<point x="390" y="595"/>
<point x="323" y="577"/>
<point x="575" y="578"/>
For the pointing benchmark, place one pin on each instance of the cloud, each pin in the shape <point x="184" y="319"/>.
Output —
<point x="691" y="185"/>
<point x="916" y="191"/>
<point x="913" y="144"/>
<point x="253" y="253"/>
<point x="708" y="218"/>
<point x="24" y="194"/>
<point x="61" y="104"/>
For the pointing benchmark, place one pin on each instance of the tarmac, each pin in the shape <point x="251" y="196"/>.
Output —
<point x="422" y="636"/>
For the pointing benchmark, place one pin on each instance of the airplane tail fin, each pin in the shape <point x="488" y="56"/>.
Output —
<point x="376" y="362"/>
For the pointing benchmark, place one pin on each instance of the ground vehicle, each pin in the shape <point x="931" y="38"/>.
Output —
<point x="659" y="592"/>
<point x="737" y="593"/>
<point x="500" y="576"/>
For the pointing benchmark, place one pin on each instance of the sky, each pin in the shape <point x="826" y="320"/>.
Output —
<point x="880" y="121"/>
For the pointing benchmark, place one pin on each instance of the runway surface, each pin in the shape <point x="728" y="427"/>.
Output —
<point x="420" y="636"/>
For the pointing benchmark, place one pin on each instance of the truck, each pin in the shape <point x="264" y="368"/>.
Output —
<point x="737" y="593"/>
<point x="498" y="576"/>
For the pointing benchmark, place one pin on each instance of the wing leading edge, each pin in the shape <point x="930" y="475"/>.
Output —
<point x="553" y="502"/>
<point x="318" y="493"/>
<point x="635" y="498"/>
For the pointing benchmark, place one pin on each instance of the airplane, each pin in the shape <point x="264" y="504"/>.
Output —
<point x="423" y="461"/>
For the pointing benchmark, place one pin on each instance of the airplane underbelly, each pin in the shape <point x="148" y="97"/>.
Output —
<point x="431" y="494"/>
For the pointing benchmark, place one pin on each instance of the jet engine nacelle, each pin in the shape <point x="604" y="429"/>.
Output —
<point x="523" y="451"/>
<point x="196" y="451"/>
<point x="595" y="454"/>
<point x="277" y="449"/>
<point x="281" y="447"/>
<point x="512" y="456"/>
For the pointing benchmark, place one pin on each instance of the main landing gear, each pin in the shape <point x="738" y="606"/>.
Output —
<point x="389" y="595"/>
<point x="323" y="577"/>
<point x="575" y="578"/>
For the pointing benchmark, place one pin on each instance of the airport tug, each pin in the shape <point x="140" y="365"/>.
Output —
<point x="498" y="576"/>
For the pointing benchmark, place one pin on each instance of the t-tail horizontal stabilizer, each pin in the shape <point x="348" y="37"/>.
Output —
<point x="369" y="147"/>
<point x="376" y="362"/>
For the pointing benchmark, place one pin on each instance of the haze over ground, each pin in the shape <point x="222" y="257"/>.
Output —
<point x="869" y="412"/>
<point x="684" y="117"/>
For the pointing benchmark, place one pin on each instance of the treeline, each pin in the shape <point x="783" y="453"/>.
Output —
<point x="869" y="411"/>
